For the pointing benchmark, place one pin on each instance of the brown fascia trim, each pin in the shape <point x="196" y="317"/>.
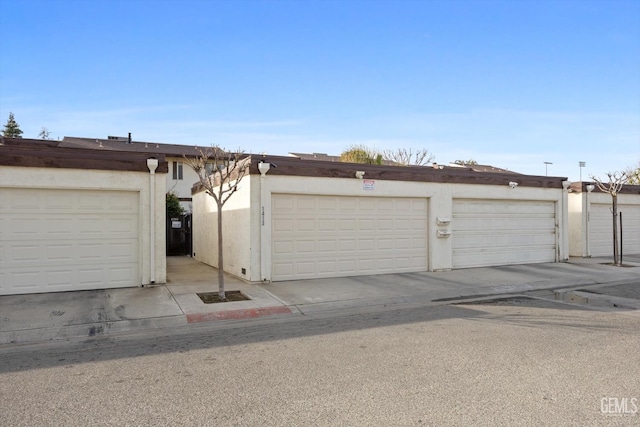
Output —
<point x="29" y="142"/>
<point x="43" y="156"/>
<point x="169" y="150"/>
<point x="581" y="187"/>
<point x="293" y="166"/>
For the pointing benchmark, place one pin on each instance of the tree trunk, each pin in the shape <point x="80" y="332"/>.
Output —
<point x="616" y="258"/>
<point x="221" y="293"/>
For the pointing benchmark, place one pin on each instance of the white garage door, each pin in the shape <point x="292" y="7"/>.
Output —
<point x="64" y="240"/>
<point x="500" y="232"/>
<point x="331" y="236"/>
<point x="601" y="229"/>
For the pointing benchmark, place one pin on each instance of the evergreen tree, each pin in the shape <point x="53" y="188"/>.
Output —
<point x="173" y="205"/>
<point x="12" y="128"/>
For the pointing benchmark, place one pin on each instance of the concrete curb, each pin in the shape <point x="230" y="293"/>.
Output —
<point x="89" y="330"/>
<point x="246" y="313"/>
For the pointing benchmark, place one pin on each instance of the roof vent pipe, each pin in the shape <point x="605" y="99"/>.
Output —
<point x="129" y="139"/>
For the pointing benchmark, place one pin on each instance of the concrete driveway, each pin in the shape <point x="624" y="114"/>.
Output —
<point x="340" y="293"/>
<point x="39" y="317"/>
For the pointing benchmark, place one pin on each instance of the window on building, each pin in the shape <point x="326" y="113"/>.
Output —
<point x="177" y="170"/>
<point x="209" y="167"/>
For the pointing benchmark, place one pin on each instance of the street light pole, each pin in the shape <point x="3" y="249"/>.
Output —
<point x="581" y="164"/>
<point x="546" y="167"/>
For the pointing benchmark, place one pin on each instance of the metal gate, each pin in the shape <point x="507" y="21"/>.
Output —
<point x="179" y="235"/>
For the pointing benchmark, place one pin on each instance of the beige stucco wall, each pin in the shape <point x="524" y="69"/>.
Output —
<point x="55" y="178"/>
<point x="181" y="187"/>
<point x="237" y="222"/>
<point x="579" y="214"/>
<point x="577" y="225"/>
<point x="247" y="242"/>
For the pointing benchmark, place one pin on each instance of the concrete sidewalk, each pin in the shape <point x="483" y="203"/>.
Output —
<point x="41" y="317"/>
<point x="310" y="296"/>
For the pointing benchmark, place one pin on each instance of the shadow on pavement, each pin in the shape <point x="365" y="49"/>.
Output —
<point x="518" y="311"/>
<point x="199" y="337"/>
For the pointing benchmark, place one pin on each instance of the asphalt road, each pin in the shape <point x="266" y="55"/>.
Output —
<point x="519" y="362"/>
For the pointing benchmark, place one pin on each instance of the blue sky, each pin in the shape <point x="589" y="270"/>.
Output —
<point x="509" y="83"/>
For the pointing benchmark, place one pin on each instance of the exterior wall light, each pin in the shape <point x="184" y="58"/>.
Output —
<point x="359" y="174"/>
<point x="513" y="184"/>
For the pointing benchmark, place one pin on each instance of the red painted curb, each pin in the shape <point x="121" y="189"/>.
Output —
<point x="246" y="313"/>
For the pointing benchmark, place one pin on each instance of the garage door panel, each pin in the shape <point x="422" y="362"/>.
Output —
<point x="18" y="228"/>
<point x="326" y="246"/>
<point x="347" y="245"/>
<point x="283" y="268"/>
<point x="122" y="227"/>
<point x="358" y="235"/>
<point x="601" y="229"/>
<point x="121" y="276"/>
<point x="62" y="240"/>
<point x="60" y="226"/>
<point x="25" y="202"/>
<point x="59" y="278"/>
<point x="121" y="251"/>
<point x="27" y="280"/>
<point x="58" y="252"/>
<point x="499" y="232"/>
<point x="385" y="244"/>
<point x="23" y="253"/>
<point x="343" y="225"/>
<point x="355" y="204"/>
<point x="327" y="224"/>
<point x="346" y="267"/>
<point x="366" y="245"/>
<point x="367" y="225"/>
<point x="327" y="203"/>
<point x="325" y="267"/>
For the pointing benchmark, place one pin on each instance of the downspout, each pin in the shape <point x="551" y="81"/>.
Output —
<point x="587" y="219"/>
<point x="265" y="275"/>
<point x="152" y="164"/>
<point x="564" y="229"/>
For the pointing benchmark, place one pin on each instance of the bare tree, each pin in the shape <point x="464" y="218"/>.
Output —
<point x="407" y="157"/>
<point x="613" y="185"/>
<point x="44" y="133"/>
<point x="219" y="173"/>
